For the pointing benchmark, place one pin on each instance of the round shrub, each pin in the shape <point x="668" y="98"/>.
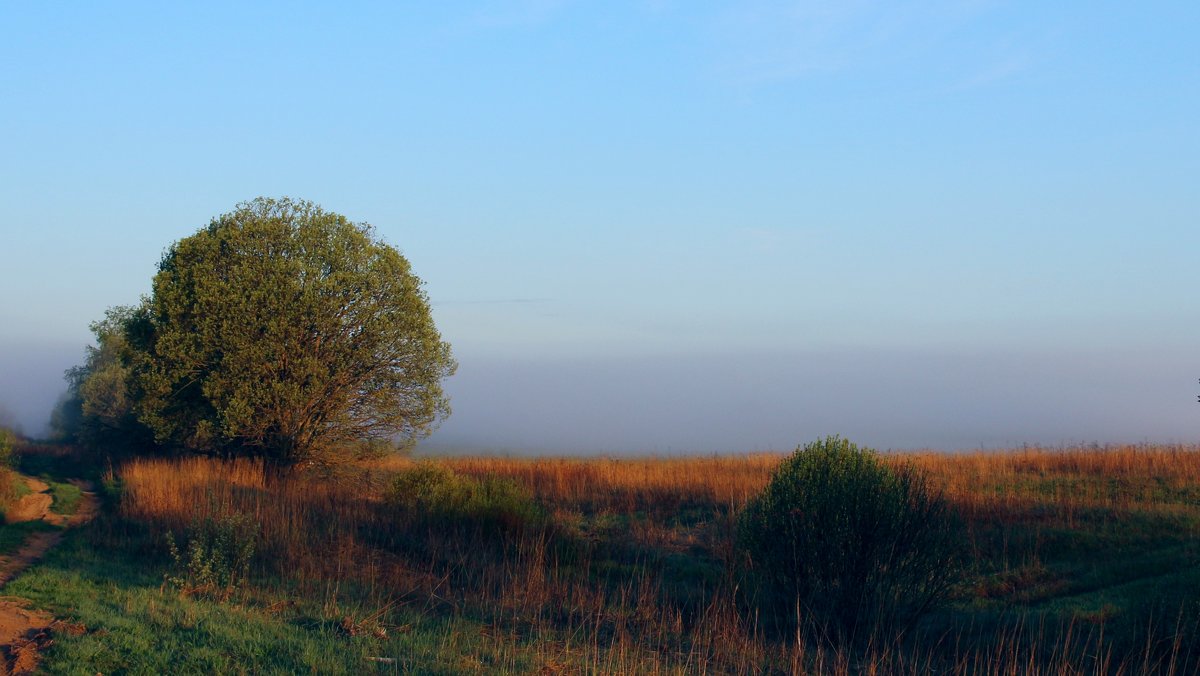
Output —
<point x="847" y="547"/>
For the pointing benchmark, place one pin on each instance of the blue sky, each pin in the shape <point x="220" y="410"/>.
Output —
<point x="656" y="226"/>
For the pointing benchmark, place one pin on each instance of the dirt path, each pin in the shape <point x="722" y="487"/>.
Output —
<point x="33" y="506"/>
<point x="23" y="632"/>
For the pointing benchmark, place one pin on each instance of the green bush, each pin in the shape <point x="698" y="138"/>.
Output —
<point x="845" y="547"/>
<point x="216" y="557"/>
<point x="436" y="495"/>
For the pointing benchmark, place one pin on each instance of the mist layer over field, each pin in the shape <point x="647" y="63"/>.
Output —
<point x="902" y="399"/>
<point x="702" y="403"/>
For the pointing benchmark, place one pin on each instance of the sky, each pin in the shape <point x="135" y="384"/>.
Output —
<point x="655" y="226"/>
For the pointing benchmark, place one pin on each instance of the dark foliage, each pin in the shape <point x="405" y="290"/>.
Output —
<point x="848" y="548"/>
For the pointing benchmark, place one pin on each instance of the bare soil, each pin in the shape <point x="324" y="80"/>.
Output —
<point x="24" y="632"/>
<point x="33" y="506"/>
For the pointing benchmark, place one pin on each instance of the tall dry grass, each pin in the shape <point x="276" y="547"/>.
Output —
<point x="322" y="534"/>
<point x="9" y="491"/>
<point x="1124" y="476"/>
<point x="656" y="485"/>
<point x="595" y="591"/>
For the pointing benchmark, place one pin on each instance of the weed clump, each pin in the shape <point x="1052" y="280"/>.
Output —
<point x="216" y="557"/>
<point x="846" y="548"/>
<point x="8" y="447"/>
<point x="11" y="485"/>
<point x="433" y="495"/>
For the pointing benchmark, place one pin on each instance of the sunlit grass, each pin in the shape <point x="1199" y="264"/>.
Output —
<point x="66" y="497"/>
<point x="1082" y="559"/>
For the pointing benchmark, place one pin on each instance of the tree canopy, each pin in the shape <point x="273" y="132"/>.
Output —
<point x="283" y="331"/>
<point x="97" y="410"/>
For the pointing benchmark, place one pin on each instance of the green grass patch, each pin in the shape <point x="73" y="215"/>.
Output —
<point x="13" y="535"/>
<point x="19" y="487"/>
<point x="135" y="626"/>
<point x="66" y="498"/>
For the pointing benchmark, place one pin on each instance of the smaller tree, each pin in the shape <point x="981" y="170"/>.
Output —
<point x="97" y="409"/>
<point x="847" y="547"/>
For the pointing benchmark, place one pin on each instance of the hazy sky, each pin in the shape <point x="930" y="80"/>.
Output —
<point x="656" y="226"/>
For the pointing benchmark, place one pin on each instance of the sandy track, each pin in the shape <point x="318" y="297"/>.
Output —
<point x="33" y="506"/>
<point x="23" y="632"/>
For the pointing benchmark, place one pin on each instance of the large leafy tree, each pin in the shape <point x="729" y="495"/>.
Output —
<point x="285" y="331"/>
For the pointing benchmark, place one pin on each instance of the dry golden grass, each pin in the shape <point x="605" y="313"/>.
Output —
<point x="9" y="492"/>
<point x="605" y="601"/>
<point x="307" y="528"/>
<point x="1129" y="475"/>
<point x="626" y="485"/>
<point x="1123" y="493"/>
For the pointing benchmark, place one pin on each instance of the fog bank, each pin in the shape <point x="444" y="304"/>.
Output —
<point x="898" y="399"/>
<point x="745" y="401"/>
<point x="31" y="380"/>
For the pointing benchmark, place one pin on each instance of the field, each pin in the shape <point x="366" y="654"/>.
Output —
<point x="1080" y="560"/>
